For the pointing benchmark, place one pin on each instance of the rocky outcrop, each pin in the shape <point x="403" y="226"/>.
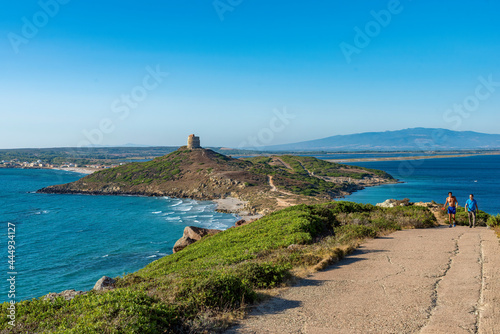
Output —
<point x="105" y="283"/>
<point x="391" y="203"/>
<point x="191" y="235"/>
<point x="241" y="222"/>
<point x="66" y="294"/>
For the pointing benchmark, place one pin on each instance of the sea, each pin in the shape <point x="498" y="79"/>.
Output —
<point x="70" y="241"/>
<point x="431" y="179"/>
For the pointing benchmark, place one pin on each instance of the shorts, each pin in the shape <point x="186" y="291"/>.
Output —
<point x="452" y="210"/>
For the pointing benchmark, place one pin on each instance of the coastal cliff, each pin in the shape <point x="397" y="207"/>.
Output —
<point x="263" y="183"/>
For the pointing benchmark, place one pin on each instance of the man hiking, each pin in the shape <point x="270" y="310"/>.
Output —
<point x="471" y="209"/>
<point x="452" y="208"/>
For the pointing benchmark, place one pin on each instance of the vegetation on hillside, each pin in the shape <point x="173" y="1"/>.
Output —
<point x="203" y="286"/>
<point x="206" y="174"/>
<point x="306" y="165"/>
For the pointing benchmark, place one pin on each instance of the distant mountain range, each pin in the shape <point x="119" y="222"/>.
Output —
<point x="415" y="139"/>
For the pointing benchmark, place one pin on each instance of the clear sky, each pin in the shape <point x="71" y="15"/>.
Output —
<point x="241" y="72"/>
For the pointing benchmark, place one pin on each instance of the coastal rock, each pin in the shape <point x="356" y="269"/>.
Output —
<point x="241" y="222"/>
<point x="66" y="294"/>
<point x="191" y="235"/>
<point x="105" y="283"/>
<point x="391" y="203"/>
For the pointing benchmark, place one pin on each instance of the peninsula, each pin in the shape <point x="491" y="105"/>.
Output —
<point x="261" y="184"/>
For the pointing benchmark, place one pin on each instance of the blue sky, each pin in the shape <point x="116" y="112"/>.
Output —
<point x="243" y="73"/>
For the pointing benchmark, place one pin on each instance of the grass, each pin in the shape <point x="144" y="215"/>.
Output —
<point x="203" y="286"/>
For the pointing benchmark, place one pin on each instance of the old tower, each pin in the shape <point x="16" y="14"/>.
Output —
<point x="193" y="142"/>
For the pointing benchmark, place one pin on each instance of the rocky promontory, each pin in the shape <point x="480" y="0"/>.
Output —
<point x="264" y="184"/>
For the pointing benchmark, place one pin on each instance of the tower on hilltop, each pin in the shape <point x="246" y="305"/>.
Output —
<point x="193" y="142"/>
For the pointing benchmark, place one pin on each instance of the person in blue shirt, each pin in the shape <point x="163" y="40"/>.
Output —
<point x="471" y="209"/>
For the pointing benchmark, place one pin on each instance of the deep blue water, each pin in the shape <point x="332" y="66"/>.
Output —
<point x="70" y="241"/>
<point x="432" y="179"/>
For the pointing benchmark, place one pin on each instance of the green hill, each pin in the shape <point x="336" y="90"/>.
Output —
<point x="204" y="174"/>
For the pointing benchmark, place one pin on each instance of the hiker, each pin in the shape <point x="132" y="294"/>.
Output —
<point x="452" y="208"/>
<point x="471" y="209"/>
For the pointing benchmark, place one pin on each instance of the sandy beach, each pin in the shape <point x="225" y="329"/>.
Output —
<point x="81" y="170"/>
<point x="235" y="205"/>
<point x="417" y="157"/>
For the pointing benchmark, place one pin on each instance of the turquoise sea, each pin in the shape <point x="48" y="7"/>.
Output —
<point x="432" y="179"/>
<point x="70" y="241"/>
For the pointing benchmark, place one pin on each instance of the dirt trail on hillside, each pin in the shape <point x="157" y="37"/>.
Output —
<point x="439" y="280"/>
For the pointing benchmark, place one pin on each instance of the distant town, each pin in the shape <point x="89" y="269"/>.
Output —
<point x="40" y="164"/>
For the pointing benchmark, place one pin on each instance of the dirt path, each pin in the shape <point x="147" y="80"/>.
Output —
<point x="271" y="183"/>
<point x="441" y="280"/>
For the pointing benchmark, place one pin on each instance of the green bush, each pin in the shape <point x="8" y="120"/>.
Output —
<point x="218" y="291"/>
<point x="493" y="221"/>
<point x="462" y="217"/>
<point x="347" y="233"/>
<point x="128" y="311"/>
<point x="263" y="275"/>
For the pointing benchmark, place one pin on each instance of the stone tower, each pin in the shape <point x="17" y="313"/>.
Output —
<point x="193" y="142"/>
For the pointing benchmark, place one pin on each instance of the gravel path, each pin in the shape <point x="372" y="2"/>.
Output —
<point x="440" y="280"/>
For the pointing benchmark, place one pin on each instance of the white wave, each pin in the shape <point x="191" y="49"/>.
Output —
<point x="105" y="255"/>
<point x="173" y="218"/>
<point x="178" y="203"/>
<point x="151" y="256"/>
<point x="156" y="212"/>
<point x="185" y="208"/>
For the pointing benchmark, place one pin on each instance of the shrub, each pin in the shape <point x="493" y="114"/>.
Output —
<point x="219" y="291"/>
<point x="263" y="275"/>
<point x="493" y="221"/>
<point x="462" y="217"/>
<point x="347" y="233"/>
<point x="130" y="311"/>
